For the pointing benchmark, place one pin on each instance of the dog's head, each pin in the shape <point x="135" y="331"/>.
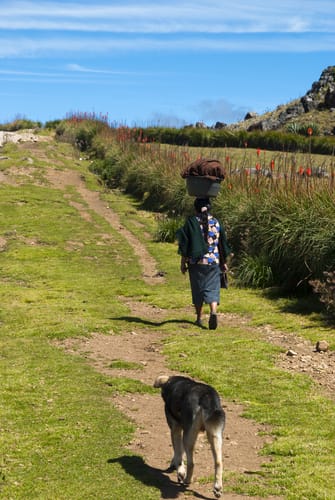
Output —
<point x="161" y="380"/>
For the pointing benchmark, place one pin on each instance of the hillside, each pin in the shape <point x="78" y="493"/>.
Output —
<point x="316" y="107"/>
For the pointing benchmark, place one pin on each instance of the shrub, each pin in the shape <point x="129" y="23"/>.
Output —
<point x="111" y="169"/>
<point x="52" y="124"/>
<point x="303" y="128"/>
<point x="79" y="131"/>
<point x="167" y="228"/>
<point x="254" y="271"/>
<point x="20" y="124"/>
<point x="294" y="139"/>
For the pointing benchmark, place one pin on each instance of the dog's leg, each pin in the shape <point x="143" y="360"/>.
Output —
<point x="178" y="449"/>
<point x="214" y="436"/>
<point x="189" y="439"/>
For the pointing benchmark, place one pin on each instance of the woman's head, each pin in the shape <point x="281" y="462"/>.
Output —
<point x="202" y="205"/>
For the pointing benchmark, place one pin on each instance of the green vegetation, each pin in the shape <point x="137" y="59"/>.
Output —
<point x="61" y="437"/>
<point x="20" y="124"/>
<point x="277" y="206"/>
<point x="54" y="409"/>
<point x="294" y="139"/>
<point x="121" y="364"/>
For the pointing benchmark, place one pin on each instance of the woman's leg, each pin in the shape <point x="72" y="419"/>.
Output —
<point x="213" y="307"/>
<point x="198" y="310"/>
<point x="213" y="320"/>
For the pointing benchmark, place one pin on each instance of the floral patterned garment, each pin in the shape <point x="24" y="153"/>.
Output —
<point x="212" y="256"/>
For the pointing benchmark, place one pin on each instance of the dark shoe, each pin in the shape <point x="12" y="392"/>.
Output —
<point x="200" y="323"/>
<point x="213" y="321"/>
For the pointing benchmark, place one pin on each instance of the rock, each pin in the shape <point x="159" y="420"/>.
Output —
<point x="200" y="125"/>
<point x="220" y="125"/>
<point x="309" y="103"/>
<point x="256" y="126"/>
<point x="250" y="115"/>
<point x="264" y="125"/>
<point x="322" y="346"/>
<point x="290" y="352"/>
<point x="330" y="99"/>
<point x="292" y="111"/>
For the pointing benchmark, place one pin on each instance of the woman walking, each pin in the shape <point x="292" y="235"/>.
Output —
<point x="203" y="247"/>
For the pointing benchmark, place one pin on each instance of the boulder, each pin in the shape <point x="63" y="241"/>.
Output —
<point x="250" y="115"/>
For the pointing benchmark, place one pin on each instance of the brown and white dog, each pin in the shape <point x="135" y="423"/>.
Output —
<point x="191" y="407"/>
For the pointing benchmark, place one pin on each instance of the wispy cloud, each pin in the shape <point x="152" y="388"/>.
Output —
<point x="45" y="28"/>
<point x="73" y="73"/>
<point x="213" y="16"/>
<point x="78" y="68"/>
<point x="48" y="46"/>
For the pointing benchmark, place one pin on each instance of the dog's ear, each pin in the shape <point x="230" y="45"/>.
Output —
<point x="161" y="380"/>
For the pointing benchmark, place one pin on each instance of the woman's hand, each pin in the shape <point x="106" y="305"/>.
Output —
<point x="183" y="265"/>
<point x="224" y="267"/>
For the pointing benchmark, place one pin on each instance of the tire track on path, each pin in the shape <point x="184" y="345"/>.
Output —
<point x="61" y="179"/>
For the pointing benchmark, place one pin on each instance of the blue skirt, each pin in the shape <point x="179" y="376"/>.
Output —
<point x="205" y="283"/>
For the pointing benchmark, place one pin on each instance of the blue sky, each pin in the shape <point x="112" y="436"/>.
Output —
<point x="160" y="62"/>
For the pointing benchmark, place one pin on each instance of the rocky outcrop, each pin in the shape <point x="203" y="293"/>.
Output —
<point x="20" y="136"/>
<point x="322" y="94"/>
<point x="321" y="97"/>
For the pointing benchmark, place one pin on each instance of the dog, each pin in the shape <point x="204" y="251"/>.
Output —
<point x="191" y="407"/>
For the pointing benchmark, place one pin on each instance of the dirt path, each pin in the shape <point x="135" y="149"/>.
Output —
<point x="242" y="436"/>
<point x="243" y="439"/>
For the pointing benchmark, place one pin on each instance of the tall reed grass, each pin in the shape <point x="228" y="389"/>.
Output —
<point x="277" y="206"/>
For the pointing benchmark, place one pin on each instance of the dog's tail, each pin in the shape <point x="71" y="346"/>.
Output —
<point x="161" y="380"/>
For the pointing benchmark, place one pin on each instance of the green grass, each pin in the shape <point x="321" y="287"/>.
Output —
<point x="60" y="436"/>
<point x="302" y="453"/>
<point x="54" y="439"/>
<point x="54" y="409"/>
<point x="121" y="364"/>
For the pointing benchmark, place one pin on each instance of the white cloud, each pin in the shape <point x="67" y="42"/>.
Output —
<point x="78" y="68"/>
<point x="10" y="72"/>
<point x="212" y="16"/>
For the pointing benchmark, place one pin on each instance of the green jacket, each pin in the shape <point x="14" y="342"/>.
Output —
<point x="191" y="242"/>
